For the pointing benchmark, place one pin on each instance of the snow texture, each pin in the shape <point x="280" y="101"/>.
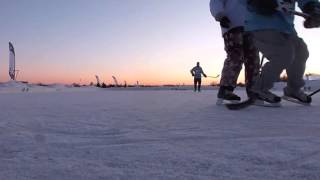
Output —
<point x="60" y="133"/>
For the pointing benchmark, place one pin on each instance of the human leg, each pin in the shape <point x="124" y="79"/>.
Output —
<point x="295" y="71"/>
<point x="199" y="85"/>
<point x="233" y="41"/>
<point x="279" y="50"/>
<point x="251" y="61"/>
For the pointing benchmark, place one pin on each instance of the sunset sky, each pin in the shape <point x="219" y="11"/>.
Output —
<point x="150" y="41"/>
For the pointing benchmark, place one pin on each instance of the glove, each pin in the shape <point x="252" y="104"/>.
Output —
<point x="264" y="7"/>
<point x="192" y="74"/>
<point x="205" y="75"/>
<point x="225" y="22"/>
<point x="312" y="22"/>
<point x="313" y="9"/>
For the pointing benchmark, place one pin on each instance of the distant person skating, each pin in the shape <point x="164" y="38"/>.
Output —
<point x="272" y="25"/>
<point x="238" y="46"/>
<point x="197" y="73"/>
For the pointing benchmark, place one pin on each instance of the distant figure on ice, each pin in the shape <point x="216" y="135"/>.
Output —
<point x="197" y="73"/>
<point x="238" y="46"/>
<point x="272" y="25"/>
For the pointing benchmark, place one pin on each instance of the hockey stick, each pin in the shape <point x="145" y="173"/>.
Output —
<point x="304" y="15"/>
<point x="315" y="92"/>
<point x="214" y="76"/>
<point x="284" y="8"/>
<point x="261" y="63"/>
<point x="262" y="59"/>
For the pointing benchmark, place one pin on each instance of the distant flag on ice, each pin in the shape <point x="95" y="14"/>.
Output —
<point x="12" y="63"/>
<point x="115" y="80"/>
<point x="98" y="79"/>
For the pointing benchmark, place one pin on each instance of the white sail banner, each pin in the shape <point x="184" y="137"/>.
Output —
<point x="12" y="62"/>
<point x="115" y="81"/>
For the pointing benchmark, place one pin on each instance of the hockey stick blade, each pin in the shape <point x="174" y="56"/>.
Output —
<point x="214" y="76"/>
<point x="241" y="105"/>
<point x="295" y="101"/>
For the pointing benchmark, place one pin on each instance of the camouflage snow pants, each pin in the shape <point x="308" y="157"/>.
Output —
<point x="240" y="50"/>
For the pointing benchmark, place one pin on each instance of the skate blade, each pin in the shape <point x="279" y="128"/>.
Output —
<point x="266" y="104"/>
<point x="221" y="102"/>
<point x="287" y="98"/>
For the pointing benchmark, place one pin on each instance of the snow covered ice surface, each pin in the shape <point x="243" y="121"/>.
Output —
<point x="102" y="134"/>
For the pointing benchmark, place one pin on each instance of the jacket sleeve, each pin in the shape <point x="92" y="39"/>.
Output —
<point x="192" y="70"/>
<point x="203" y="72"/>
<point x="217" y="8"/>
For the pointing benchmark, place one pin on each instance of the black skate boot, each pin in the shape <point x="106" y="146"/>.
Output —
<point x="226" y="94"/>
<point x="266" y="98"/>
<point x="297" y="95"/>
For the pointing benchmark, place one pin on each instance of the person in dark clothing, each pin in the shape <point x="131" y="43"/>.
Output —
<point x="197" y="73"/>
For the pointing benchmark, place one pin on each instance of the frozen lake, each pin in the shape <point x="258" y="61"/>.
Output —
<point x="102" y="134"/>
